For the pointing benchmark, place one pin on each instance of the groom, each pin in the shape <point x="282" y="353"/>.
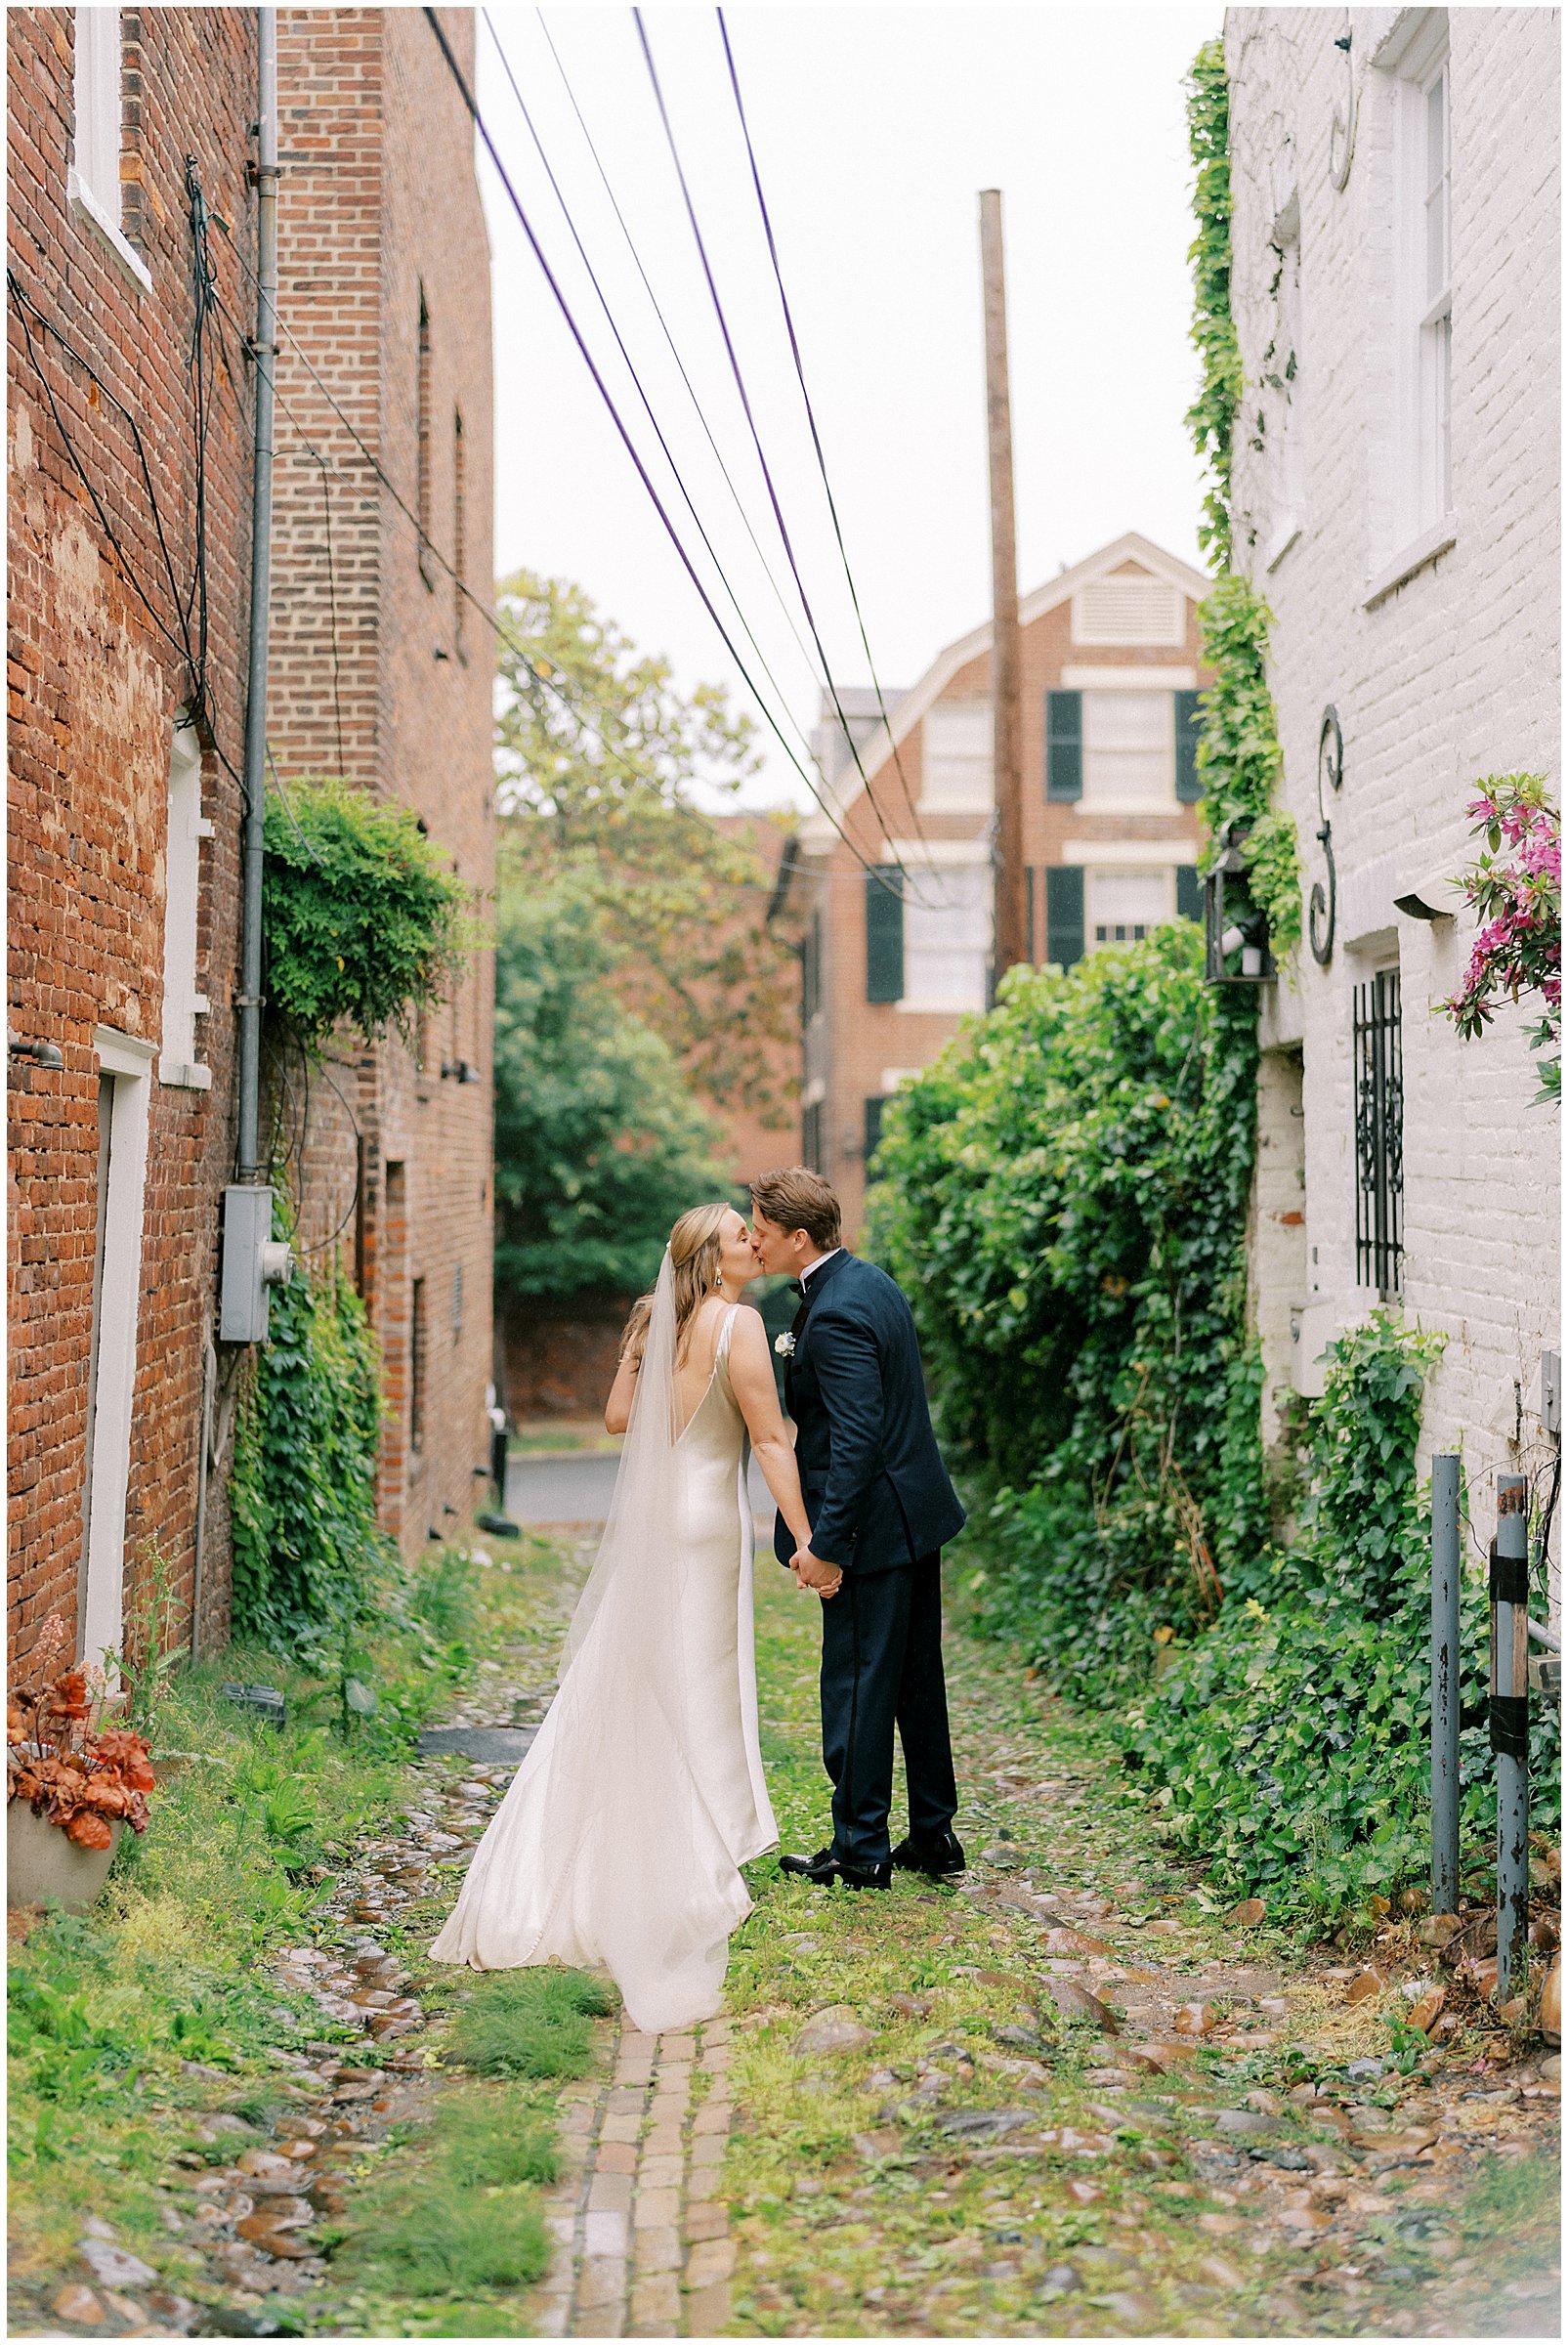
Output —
<point x="882" y="1506"/>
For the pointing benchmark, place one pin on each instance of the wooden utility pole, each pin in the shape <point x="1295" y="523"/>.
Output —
<point x="1012" y="940"/>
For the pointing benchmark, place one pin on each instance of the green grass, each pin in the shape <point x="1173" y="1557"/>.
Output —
<point x="174" y="1965"/>
<point x="529" y="2024"/>
<point x="430" y="2235"/>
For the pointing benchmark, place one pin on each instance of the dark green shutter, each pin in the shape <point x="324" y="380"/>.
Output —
<point x="1064" y="914"/>
<point x="1029" y="911"/>
<point x="1189" y="892"/>
<point x="884" y="933"/>
<point x="1064" y="744"/>
<point x="1189" y="724"/>
<point x="873" y="1126"/>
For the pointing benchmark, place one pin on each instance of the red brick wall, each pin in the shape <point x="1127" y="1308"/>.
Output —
<point x="378" y="205"/>
<point x="92" y="688"/>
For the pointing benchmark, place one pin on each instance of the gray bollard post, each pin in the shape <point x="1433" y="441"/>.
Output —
<point x="1446" y="1683"/>
<point x="1511" y="1728"/>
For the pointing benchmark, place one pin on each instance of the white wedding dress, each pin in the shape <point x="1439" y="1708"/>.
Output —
<point x="619" y="1844"/>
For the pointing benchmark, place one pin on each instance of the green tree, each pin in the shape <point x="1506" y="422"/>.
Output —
<point x="598" y="757"/>
<point x="598" y="1144"/>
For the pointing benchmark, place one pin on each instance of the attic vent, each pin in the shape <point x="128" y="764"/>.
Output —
<point x="1128" y="611"/>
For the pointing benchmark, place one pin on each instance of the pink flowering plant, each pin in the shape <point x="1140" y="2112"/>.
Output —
<point x="1515" y="885"/>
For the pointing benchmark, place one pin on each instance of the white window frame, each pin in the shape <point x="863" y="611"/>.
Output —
<point x="183" y="1004"/>
<point x="129" y="1060"/>
<point x="966" y="863"/>
<point x="1160" y="797"/>
<point x="956" y="776"/>
<point x="93" y="177"/>
<point x="1161" y="873"/>
<point x="1420" y="519"/>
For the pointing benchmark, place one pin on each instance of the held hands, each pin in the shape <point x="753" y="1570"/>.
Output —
<point x="823" y="1579"/>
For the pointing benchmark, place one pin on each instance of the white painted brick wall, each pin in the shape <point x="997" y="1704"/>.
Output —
<point x="1455" y="675"/>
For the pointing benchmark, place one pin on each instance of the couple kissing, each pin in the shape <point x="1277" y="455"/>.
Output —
<point x="619" y="1844"/>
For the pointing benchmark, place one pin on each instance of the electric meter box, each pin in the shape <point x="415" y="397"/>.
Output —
<point x="252" y="1262"/>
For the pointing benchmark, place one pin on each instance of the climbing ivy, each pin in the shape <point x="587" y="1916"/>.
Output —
<point x="1212" y="417"/>
<point x="362" y="913"/>
<point x="1239" y="748"/>
<point x="303" y="1486"/>
<point x="1062" y="1196"/>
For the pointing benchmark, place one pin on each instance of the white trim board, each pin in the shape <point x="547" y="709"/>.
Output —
<point x="1130" y="853"/>
<point x="128" y="1060"/>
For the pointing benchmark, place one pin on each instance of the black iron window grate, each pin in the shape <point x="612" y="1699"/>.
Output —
<point x="1379" y="1134"/>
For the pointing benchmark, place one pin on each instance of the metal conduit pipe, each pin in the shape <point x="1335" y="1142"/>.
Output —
<point x="261" y="569"/>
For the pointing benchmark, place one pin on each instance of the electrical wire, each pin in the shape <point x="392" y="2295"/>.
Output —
<point x="648" y="410"/>
<point x="488" y="140"/>
<point x="528" y="655"/>
<point x="674" y="350"/>
<point x="757" y="438"/>
<point x="811" y="418"/>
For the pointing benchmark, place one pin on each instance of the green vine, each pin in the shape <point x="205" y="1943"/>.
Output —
<point x="362" y="913"/>
<point x="1212" y="417"/>
<point x="303" y="1486"/>
<point x="1239" y="748"/>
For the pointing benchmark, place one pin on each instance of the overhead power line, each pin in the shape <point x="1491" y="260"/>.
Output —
<point x="757" y="438"/>
<point x="810" y="415"/>
<point x="637" y="381"/>
<point x="600" y="386"/>
<point x="529" y="654"/>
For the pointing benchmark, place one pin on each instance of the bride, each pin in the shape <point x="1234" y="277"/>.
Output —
<point x="620" y="1840"/>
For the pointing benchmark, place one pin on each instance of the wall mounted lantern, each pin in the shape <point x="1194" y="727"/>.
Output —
<point x="1236" y="949"/>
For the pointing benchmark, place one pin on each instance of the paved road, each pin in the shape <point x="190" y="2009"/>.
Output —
<point x="577" y="1489"/>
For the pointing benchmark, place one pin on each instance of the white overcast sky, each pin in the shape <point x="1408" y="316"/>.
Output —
<point x="874" y="128"/>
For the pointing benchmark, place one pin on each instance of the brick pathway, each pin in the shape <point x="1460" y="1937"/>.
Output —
<point x="643" y="2249"/>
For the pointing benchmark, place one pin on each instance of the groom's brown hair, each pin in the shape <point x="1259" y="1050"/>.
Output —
<point x="795" y="1198"/>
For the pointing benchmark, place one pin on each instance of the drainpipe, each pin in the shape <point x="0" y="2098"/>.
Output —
<point x="261" y="568"/>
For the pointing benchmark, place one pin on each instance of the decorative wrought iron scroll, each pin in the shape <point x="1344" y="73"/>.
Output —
<point x="1342" y="129"/>
<point x="1321" y="905"/>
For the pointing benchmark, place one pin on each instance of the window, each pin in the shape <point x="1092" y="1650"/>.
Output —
<point x="1421" y="284"/>
<point x="947" y="938"/>
<point x="97" y="93"/>
<point x="955" y="758"/>
<point x="1377" y="1062"/>
<point x="884" y="933"/>
<point x="1128" y="611"/>
<point x="1123" y="906"/>
<point x="1064" y="914"/>
<point x="1130" y="753"/>
<point x="1064" y="746"/>
<point x="418" y="1339"/>
<point x="459" y="535"/>
<point x="422" y="426"/>
<point x="181" y="876"/>
<point x="810" y="1136"/>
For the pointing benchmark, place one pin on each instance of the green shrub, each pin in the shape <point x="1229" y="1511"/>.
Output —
<point x="1062" y="1197"/>
<point x="362" y="913"/>
<point x="1291" y="1742"/>
<point x="303" y="1486"/>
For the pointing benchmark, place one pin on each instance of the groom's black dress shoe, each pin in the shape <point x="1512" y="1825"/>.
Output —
<point x="825" y="1867"/>
<point x="938" y="1858"/>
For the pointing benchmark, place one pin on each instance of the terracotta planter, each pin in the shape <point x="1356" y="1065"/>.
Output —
<point x="1551" y="2003"/>
<point x="42" y="1864"/>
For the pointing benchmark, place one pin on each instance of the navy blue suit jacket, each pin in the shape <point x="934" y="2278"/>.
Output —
<point x="878" y="1494"/>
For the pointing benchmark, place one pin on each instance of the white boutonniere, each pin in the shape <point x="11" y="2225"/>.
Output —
<point x="784" y="1346"/>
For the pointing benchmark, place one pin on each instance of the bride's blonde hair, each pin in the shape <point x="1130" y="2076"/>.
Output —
<point x="694" y="1250"/>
